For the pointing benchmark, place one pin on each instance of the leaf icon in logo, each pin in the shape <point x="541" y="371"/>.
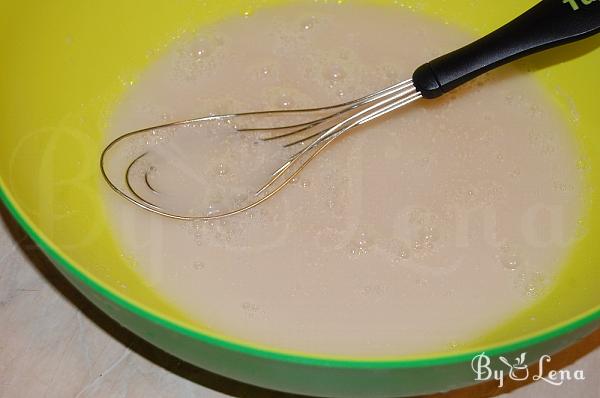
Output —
<point x="520" y="361"/>
<point x="505" y="361"/>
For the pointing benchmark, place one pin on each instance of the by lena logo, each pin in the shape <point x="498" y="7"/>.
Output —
<point x="575" y="4"/>
<point x="519" y="371"/>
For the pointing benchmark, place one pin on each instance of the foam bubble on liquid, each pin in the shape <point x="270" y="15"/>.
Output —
<point x="308" y="24"/>
<point x="285" y="102"/>
<point x="265" y="72"/>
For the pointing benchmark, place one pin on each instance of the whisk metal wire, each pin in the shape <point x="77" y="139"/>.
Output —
<point x="322" y="130"/>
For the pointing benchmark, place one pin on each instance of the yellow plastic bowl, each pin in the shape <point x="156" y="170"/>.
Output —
<point x="64" y="66"/>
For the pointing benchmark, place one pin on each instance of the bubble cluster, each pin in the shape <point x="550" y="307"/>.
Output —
<point x="400" y="251"/>
<point x="372" y="290"/>
<point x="532" y="284"/>
<point x="251" y="309"/>
<point x="334" y="76"/>
<point x="422" y="234"/>
<point x="509" y="257"/>
<point x="222" y="170"/>
<point x="361" y="246"/>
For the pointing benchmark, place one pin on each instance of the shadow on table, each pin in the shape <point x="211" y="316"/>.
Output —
<point x="220" y="383"/>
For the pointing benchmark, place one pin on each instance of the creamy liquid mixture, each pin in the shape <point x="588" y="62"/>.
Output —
<point x="417" y="233"/>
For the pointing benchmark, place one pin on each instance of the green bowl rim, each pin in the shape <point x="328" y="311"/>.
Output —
<point x="272" y="354"/>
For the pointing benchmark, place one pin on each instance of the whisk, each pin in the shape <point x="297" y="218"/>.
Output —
<point x="550" y="23"/>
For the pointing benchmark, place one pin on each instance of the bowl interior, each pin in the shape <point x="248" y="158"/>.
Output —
<point x="65" y="66"/>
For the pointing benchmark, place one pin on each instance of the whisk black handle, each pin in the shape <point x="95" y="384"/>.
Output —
<point x="550" y="23"/>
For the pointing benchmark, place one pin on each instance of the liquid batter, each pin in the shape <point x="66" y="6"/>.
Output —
<point x="422" y="230"/>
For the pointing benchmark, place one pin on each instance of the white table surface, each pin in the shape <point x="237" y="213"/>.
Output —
<point x="55" y="343"/>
